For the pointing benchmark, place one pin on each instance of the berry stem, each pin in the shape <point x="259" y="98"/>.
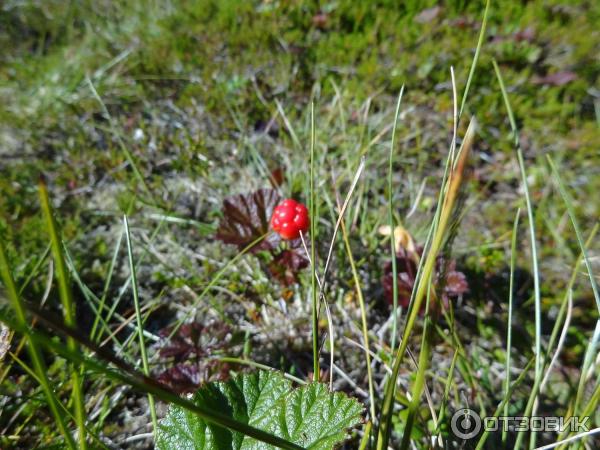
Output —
<point x="313" y="217"/>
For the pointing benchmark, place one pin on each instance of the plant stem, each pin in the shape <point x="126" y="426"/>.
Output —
<point x="363" y="316"/>
<point x="534" y="257"/>
<point x="131" y="377"/>
<point x="392" y="227"/>
<point x="140" y="325"/>
<point x="66" y="298"/>
<point x="449" y="194"/>
<point x="513" y="260"/>
<point x="35" y="355"/>
<point x="313" y="227"/>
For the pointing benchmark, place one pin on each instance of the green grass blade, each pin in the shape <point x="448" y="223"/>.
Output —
<point x="571" y="212"/>
<point x="447" y="386"/>
<point x="214" y="281"/>
<point x="392" y="227"/>
<point x="500" y="407"/>
<point x="66" y="297"/>
<point x="448" y="196"/>
<point x="363" y="316"/>
<point x="33" y="273"/>
<point x="31" y="372"/>
<point x="34" y="353"/>
<point x="366" y="436"/>
<point x="93" y="302"/>
<point x="107" y="282"/>
<point x="588" y="360"/>
<point x="513" y="260"/>
<point x="125" y="287"/>
<point x="313" y="228"/>
<point x="419" y="384"/>
<point x="532" y="238"/>
<point x="138" y="316"/>
<point x="476" y="57"/>
<point x="124" y="149"/>
<point x="129" y="376"/>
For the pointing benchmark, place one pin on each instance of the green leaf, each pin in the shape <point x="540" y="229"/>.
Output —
<point x="310" y="416"/>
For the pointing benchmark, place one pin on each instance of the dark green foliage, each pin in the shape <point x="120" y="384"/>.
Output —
<point x="310" y="416"/>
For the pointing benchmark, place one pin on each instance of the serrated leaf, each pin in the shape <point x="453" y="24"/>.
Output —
<point x="181" y="378"/>
<point x="246" y="218"/>
<point x="310" y="416"/>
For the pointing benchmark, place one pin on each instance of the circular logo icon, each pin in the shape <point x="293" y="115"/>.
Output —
<point x="465" y="424"/>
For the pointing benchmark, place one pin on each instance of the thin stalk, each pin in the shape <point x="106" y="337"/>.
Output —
<point x="500" y="407"/>
<point x="588" y="359"/>
<point x="534" y="256"/>
<point x="40" y="261"/>
<point x="392" y="226"/>
<point x="564" y="309"/>
<point x="513" y="259"/>
<point x="569" y="288"/>
<point x="131" y="377"/>
<point x="213" y="281"/>
<point x="111" y="269"/>
<point x="35" y="355"/>
<point x="571" y="212"/>
<point x="419" y="384"/>
<point x="313" y="228"/>
<point x="447" y="386"/>
<point x="476" y="57"/>
<point x="32" y="374"/>
<point x="140" y="325"/>
<point x="449" y="193"/>
<point x="363" y="316"/>
<point x="250" y="363"/>
<point x="66" y="298"/>
<point x="528" y="410"/>
<point x="575" y="438"/>
<point x="125" y="287"/>
<point x="364" y="442"/>
<point x="592" y="404"/>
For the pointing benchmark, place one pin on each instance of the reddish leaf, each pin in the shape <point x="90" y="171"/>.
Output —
<point x="556" y="79"/>
<point x="190" y="348"/>
<point x="286" y="265"/>
<point x="455" y="282"/>
<point x="406" y="267"/>
<point x="194" y="339"/>
<point x="181" y="378"/>
<point x="451" y="282"/>
<point x="527" y="34"/>
<point x="277" y="177"/>
<point x="246" y="218"/>
<point x="320" y="20"/>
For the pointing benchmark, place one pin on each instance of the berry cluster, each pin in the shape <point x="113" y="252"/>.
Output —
<point x="289" y="219"/>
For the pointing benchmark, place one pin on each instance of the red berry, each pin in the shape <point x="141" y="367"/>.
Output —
<point x="289" y="219"/>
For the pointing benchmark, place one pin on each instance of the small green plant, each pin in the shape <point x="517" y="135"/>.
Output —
<point x="311" y="417"/>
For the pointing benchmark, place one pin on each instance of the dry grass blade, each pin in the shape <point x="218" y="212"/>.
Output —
<point x="450" y="194"/>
